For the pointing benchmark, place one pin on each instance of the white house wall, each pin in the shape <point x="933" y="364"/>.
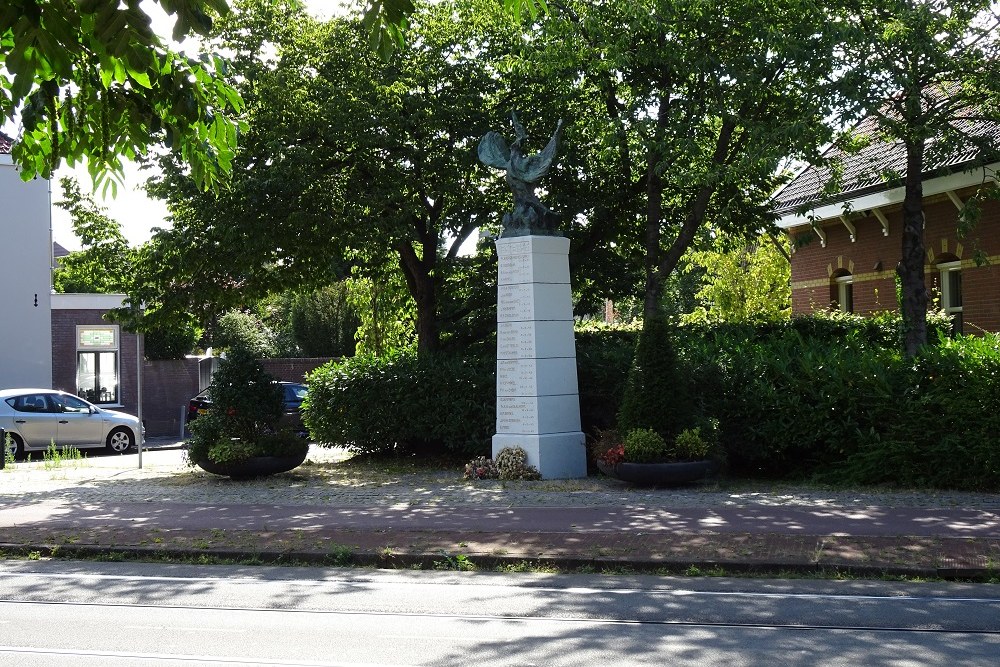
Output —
<point x="25" y="280"/>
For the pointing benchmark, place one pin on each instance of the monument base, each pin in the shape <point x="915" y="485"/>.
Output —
<point x="556" y="455"/>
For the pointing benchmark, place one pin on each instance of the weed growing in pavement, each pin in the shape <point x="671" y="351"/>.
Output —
<point x="55" y="457"/>
<point x="8" y="452"/>
<point x="339" y="555"/>
<point x="458" y="562"/>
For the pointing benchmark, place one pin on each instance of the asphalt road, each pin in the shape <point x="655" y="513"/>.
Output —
<point x="67" y="613"/>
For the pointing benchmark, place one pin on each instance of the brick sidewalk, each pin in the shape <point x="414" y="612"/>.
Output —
<point x="326" y="513"/>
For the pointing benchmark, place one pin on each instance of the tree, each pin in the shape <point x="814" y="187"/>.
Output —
<point x="91" y="80"/>
<point x="700" y="102"/>
<point x="743" y="281"/>
<point x="927" y="75"/>
<point x="349" y="161"/>
<point x="323" y="322"/>
<point x="105" y="264"/>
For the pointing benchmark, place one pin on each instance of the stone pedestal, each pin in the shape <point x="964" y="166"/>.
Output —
<point x="538" y="401"/>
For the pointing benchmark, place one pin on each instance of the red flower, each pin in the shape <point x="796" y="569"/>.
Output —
<point x="613" y="456"/>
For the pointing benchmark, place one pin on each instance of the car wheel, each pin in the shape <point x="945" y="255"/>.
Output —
<point x="15" y="446"/>
<point x="120" y="440"/>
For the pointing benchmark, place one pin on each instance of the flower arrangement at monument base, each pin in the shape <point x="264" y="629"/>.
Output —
<point x="511" y="464"/>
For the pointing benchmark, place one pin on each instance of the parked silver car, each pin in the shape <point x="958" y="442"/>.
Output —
<point x="36" y="418"/>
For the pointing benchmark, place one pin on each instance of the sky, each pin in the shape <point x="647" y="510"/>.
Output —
<point x="137" y="213"/>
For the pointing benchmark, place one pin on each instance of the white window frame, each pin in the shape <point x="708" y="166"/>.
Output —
<point x="845" y="288"/>
<point x="948" y="271"/>
<point x="114" y="346"/>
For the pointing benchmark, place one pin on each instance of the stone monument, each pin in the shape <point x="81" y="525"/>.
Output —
<point x="538" y="402"/>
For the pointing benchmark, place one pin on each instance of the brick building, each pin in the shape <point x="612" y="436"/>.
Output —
<point x="846" y="247"/>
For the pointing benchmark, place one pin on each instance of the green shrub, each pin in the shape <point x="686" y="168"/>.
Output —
<point x="240" y="424"/>
<point x="603" y="357"/>
<point x="172" y="343"/>
<point x="324" y="322"/>
<point x="795" y="402"/>
<point x="690" y="446"/>
<point x="404" y="402"/>
<point x="237" y="329"/>
<point x="656" y="392"/>
<point x="643" y="445"/>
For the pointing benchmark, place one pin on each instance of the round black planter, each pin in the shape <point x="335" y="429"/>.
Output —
<point x="257" y="466"/>
<point x="659" y="474"/>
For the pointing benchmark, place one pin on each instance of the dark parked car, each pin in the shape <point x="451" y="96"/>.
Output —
<point x="293" y="393"/>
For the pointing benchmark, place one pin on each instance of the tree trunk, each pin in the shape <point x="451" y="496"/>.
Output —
<point x="419" y="273"/>
<point x="914" y="296"/>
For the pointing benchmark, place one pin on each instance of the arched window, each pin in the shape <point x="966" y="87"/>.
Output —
<point x="842" y="291"/>
<point x="951" y="291"/>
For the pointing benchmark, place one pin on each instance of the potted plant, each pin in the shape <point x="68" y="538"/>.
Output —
<point x="238" y="436"/>
<point x="645" y="457"/>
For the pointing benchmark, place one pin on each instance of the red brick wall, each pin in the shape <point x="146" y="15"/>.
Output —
<point x="167" y="385"/>
<point x="64" y="323"/>
<point x="293" y="370"/>
<point x="872" y="260"/>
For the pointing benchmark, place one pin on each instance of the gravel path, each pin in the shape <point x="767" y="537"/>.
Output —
<point x="323" y="480"/>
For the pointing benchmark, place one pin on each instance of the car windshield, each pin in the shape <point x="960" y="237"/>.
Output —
<point x="295" y="392"/>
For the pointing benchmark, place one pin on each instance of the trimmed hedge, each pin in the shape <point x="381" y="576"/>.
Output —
<point x="403" y="402"/>
<point x="852" y="410"/>
<point x="817" y="397"/>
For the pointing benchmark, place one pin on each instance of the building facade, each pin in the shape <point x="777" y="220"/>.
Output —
<point x="25" y="277"/>
<point x="846" y="246"/>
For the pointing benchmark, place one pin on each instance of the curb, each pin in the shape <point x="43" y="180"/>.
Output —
<point x="446" y="561"/>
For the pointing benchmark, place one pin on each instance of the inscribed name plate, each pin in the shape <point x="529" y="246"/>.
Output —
<point x="517" y="415"/>
<point x="534" y="301"/>
<point x="536" y="377"/>
<point x="515" y="303"/>
<point x="515" y="269"/>
<point x="535" y="339"/>
<point x="541" y="414"/>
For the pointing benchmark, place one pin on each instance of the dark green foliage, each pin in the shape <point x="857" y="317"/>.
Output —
<point x="848" y="409"/>
<point x="171" y="343"/>
<point x="246" y="405"/>
<point x="656" y="393"/>
<point x="603" y="356"/>
<point x="404" y="403"/>
<point x="246" y="395"/>
<point x="944" y="431"/>
<point x="324" y="323"/>
<point x="238" y="329"/>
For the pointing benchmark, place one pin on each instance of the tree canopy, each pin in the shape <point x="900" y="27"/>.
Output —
<point x="688" y="108"/>
<point x="348" y="161"/>
<point x="106" y="262"/>
<point x="90" y="79"/>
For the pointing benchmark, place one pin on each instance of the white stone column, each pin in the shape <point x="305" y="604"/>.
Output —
<point x="538" y="400"/>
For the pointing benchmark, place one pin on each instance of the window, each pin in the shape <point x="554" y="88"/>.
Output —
<point x="951" y="293"/>
<point x="842" y="292"/>
<point x="97" y="363"/>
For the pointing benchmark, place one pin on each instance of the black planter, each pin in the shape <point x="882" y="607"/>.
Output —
<point x="257" y="466"/>
<point x="659" y="474"/>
